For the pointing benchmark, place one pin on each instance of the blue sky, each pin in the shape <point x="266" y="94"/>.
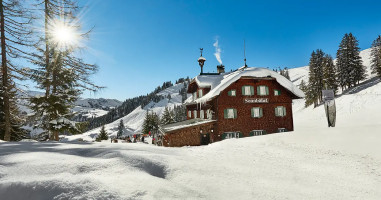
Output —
<point x="140" y="44"/>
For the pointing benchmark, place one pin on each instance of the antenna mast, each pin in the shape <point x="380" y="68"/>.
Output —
<point x="244" y="52"/>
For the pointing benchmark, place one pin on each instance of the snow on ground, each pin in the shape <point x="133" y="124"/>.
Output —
<point x="313" y="162"/>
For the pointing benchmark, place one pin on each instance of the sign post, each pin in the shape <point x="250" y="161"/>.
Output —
<point x="330" y="107"/>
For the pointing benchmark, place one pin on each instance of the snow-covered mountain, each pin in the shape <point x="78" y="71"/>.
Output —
<point x="87" y="107"/>
<point x="134" y="121"/>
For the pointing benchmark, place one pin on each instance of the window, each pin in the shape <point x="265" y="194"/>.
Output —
<point x="230" y="113"/>
<point x="256" y="112"/>
<point x="257" y="132"/>
<point x="247" y="90"/>
<point x="280" y="111"/>
<point x="232" y="93"/>
<point x="202" y="114"/>
<point x="200" y="93"/>
<point x="190" y="114"/>
<point x="263" y="90"/>
<point x="209" y="114"/>
<point x="194" y="95"/>
<point x="230" y="135"/>
<point x="195" y="114"/>
<point x="281" y="130"/>
<point x="276" y="92"/>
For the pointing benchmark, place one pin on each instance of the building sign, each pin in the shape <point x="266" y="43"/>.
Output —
<point x="256" y="100"/>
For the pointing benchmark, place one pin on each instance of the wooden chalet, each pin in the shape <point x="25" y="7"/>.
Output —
<point x="246" y="102"/>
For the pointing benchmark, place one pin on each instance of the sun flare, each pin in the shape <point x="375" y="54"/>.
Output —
<point x="64" y="35"/>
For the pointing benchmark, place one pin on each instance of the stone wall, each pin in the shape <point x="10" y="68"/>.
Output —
<point x="188" y="136"/>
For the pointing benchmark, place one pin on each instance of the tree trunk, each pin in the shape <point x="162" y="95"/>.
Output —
<point x="47" y="57"/>
<point x="4" y="70"/>
<point x="55" y="133"/>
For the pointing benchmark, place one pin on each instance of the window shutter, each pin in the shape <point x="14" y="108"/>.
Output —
<point x="252" y="112"/>
<point x="251" y="90"/>
<point x="284" y="111"/>
<point x="276" y="111"/>
<point x="259" y="90"/>
<point x="226" y="113"/>
<point x="235" y="113"/>
<point x="267" y="90"/>
<point x="230" y="93"/>
<point x="260" y="112"/>
<point x="243" y="90"/>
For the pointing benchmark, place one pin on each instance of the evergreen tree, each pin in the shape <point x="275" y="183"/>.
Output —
<point x="61" y="73"/>
<point x="121" y="129"/>
<point x="146" y="123"/>
<point x="151" y="122"/>
<point x="303" y="86"/>
<point x="329" y="71"/>
<point x="103" y="135"/>
<point x="315" y="79"/>
<point x="15" y="36"/>
<point x="168" y="116"/>
<point x="180" y="113"/>
<point x="350" y="69"/>
<point x="376" y="56"/>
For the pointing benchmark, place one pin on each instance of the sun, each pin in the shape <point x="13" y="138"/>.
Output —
<point x="64" y="35"/>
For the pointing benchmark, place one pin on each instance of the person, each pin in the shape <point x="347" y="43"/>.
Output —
<point x="143" y="138"/>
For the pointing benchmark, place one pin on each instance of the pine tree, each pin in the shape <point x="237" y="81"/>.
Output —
<point x="350" y="69"/>
<point x="146" y="123"/>
<point x="151" y="122"/>
<point x="103" y="135"/>
<point x="329" y="71"/>
<point x="376" y="56"/>
<point x="121" y="129"/>
<point x="303" y="86"/>
<point x="168" y="117"/>
<point x="61" y="73"/>
<point x="315" y="79"/>
<point x="15" y="37"/>
<point x="179" y="113"/>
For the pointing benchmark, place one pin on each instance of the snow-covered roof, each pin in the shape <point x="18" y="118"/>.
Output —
<point x="218" y="83"/>
<point x="184" y="124"/>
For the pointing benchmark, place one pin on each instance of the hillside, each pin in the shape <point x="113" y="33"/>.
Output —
<point x="134" y="120"/>
<point x="312" y="162"/>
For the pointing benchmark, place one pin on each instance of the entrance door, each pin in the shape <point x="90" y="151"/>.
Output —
<point x="205" y="139"/>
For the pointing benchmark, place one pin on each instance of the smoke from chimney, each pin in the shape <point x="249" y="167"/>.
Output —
<point x="218" y="52"/>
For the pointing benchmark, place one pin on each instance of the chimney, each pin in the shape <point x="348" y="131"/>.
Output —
<point x="220" y="69"/>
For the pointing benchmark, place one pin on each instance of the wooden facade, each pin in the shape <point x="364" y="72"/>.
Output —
<point x="244" y="123"/>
